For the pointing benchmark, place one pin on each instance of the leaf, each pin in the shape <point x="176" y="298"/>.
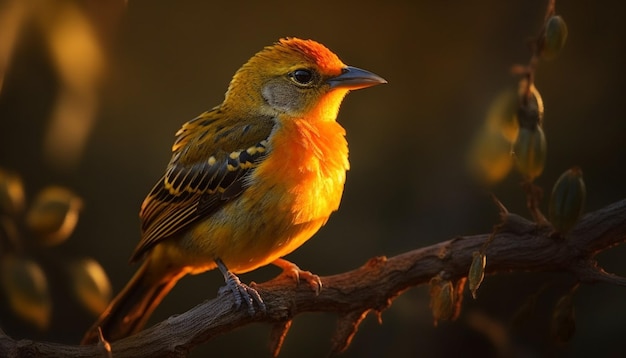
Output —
<point x="90" y="285"/>
<point x="53" y="215"/>
<point x="442" y="302"/>
<point x="476" y="272"/>
<point x="11" y="193"/>
<point x="26" y="288"/>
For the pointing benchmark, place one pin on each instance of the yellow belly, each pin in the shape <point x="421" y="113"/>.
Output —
<point x="244" y="236"/>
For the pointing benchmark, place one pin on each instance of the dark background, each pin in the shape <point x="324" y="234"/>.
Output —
<point x="408" y="187"/>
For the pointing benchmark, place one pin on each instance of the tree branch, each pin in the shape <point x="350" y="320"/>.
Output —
<point x="519" y="245"/>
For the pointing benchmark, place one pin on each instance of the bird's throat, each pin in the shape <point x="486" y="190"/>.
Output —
<point x="310" y="157"/>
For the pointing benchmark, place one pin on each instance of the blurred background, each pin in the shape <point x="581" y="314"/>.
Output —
<point x="92" y="93"/>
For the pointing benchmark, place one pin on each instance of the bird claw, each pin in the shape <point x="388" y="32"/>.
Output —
<point x="293" y="271"/>
<point x="312" y="279"/>
<point x="242" y="293"/>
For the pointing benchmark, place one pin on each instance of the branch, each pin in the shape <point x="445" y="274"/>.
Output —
<point x="519" y="245"/>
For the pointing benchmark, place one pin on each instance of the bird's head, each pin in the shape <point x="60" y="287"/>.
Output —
<point x="297" y="78"/>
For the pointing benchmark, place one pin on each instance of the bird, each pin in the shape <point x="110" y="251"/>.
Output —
<point x="248" y="182"/>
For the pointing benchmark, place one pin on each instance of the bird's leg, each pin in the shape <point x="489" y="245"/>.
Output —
<point x="241" y="291"/>
<point x="292" y="270"/>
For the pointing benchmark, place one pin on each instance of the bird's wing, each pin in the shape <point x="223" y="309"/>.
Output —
<point x="211" y="159"/>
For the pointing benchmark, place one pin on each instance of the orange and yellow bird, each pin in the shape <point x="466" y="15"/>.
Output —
<point x="249" y="181"/>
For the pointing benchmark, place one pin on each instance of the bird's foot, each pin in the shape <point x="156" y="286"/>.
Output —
<point x="292" y="270"/>
<point x="241" y="292"/>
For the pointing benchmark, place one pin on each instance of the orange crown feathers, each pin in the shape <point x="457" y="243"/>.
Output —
<point x="316" y="52"/>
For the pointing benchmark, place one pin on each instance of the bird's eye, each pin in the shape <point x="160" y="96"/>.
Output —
<point x="302" y="76"/>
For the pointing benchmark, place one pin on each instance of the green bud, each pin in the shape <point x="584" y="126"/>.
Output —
<point x="530" y="106"/>
<point x="530" y="152"/>
<point x="554" y="37"/>
<point x="567" y="200"/>
<point x="476" y="272"/>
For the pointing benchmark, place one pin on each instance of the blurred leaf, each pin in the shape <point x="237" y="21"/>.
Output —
<point x="53" y="215"/>
<point x="567" y="200"/>
<point x="490" y="158"/>
<point x="11" y="19"/>
<point x="79" y="59"/>
<point x="9" y="236"/>
<point x="90" y="284"/>
<point x="563" y="324"/>
<point x="501" y="116"/>
<point x="11" y="193"/>
<point x="26" y="288"/>
<point x="493" y="330"/>
<point x="527" y="308"/>
<point x="530" y="152"/>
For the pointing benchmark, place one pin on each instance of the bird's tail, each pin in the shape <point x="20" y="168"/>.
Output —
<point x="130" y="309"/>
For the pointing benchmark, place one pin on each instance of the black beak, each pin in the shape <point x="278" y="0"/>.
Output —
<point x="355" y="78"/>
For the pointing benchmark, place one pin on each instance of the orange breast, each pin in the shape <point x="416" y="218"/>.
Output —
<point x="291" y="195"/>
<point x="309" y="161"/>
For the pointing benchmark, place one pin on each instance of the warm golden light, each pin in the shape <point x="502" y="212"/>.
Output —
<point x="78" y="57"/>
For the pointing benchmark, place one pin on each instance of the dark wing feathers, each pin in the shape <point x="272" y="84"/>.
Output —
<point x="199" y="182"/>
